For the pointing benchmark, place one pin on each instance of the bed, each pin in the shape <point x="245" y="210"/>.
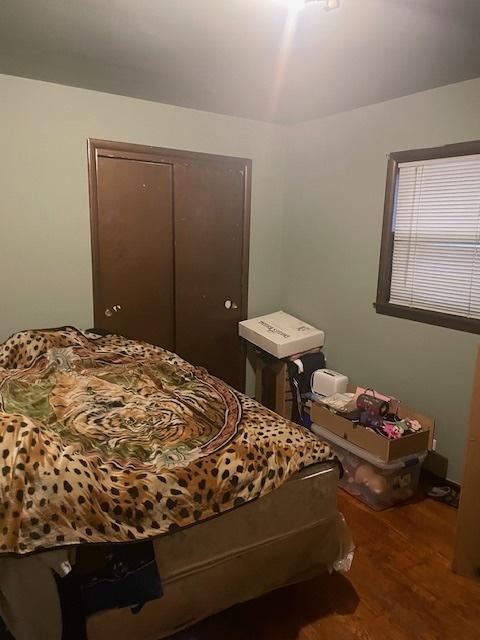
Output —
<point x="106" y="440"/>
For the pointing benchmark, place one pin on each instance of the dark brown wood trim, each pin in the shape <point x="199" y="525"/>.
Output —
<point x="92" y="188"/>
<point x="446" y="151"/>
<point x="105" y="148"/>
<point x="466" y="558"/>
<point x="471" y="325"/>
<point x="386" y="250"/>
<point x="246" y="258"/>
<point x="382" y="304"/>
<point x="246" y="238"/>
<point x="158" y="154"/>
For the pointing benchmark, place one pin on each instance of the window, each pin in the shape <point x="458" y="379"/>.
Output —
<point x="430" y="255"/>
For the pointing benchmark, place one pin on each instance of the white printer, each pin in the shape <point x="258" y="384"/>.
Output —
<point x="326" y="382"/>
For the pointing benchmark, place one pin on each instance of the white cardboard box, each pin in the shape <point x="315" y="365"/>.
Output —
<point x="281" y="334"/>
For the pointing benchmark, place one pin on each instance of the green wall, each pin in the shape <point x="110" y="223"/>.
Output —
<point x="336" y="169"/>
<point x="317" y="204"/>
<point x="45" y="274"/>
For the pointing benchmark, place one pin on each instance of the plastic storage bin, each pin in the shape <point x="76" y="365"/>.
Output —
<point x="379" y="484"/>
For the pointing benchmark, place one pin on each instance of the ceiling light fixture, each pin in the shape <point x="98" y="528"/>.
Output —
<point x="328" y="5"/>
<point x="297" y="5"/>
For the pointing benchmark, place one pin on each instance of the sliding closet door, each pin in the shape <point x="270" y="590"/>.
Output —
<point x="132" y="238"/>
<point x="170" y="238"/>
<point x="210" y="278"/>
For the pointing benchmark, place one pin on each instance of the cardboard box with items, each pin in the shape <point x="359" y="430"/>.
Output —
<point x="379" y="445"/>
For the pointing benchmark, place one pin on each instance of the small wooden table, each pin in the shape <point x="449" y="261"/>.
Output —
<point x="272" y="385"/>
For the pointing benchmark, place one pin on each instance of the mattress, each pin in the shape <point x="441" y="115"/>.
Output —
<point x="290" y="535"/>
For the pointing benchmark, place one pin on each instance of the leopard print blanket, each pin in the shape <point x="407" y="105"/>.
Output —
<point x="105" y="439"/>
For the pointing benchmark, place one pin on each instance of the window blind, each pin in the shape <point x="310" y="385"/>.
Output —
<point x="436" y="242"/>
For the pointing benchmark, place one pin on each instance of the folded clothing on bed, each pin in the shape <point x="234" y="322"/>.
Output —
<point x="104" y="439"/>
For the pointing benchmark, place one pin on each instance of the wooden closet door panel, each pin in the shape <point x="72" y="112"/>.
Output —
<point x="132" y="232"/>
<point x="209" y="257"/>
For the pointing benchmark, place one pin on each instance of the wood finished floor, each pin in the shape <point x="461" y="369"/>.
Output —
<point x="400" y="588"/>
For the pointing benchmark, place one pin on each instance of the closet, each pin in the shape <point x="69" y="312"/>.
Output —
<point x="170" y="240"/>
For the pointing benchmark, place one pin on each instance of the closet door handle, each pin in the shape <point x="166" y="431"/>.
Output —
<point x="115" y="309"/>
<point x="229" y="304"/>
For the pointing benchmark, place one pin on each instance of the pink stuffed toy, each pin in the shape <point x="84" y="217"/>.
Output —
<point x="392" y="430"/>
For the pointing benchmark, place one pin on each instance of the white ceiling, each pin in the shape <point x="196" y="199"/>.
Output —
<point x="249" y="58"/>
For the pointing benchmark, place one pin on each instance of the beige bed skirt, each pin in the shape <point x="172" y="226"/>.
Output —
<point x="290" y="535"/>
